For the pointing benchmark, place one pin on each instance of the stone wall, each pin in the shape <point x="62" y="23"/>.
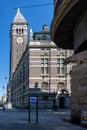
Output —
<point x="80" y="31"/>
<point x="78" y="85"/>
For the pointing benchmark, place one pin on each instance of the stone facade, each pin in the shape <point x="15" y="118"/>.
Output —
<point x="80" y="33"/>
<point x="78" y="85"/>
<point x="18" y="40"/>
<point x="29" y="72"/>
<point x="71" y="15"/>
<point x="40" y="70"/>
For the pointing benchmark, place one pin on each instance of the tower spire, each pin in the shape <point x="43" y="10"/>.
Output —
<point x="18" y="10"/>
<point x="19" y="18"/>
<point x="17" y="50"/>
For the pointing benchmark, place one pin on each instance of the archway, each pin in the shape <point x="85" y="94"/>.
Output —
<point x="62" y="98"/>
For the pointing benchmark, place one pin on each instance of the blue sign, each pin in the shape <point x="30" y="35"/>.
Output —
<point x="33" y="99"/>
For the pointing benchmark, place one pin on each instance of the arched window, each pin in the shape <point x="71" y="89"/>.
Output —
<point x="45" y="86"/>
<point x="17" y="30"/>
<point x="22" y="30"/>
<point x="60" y="86"/>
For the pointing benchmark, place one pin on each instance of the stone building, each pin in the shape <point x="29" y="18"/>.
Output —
<point x="18" y="40"/>
<point x="69" y="31"/>
<point x="37" y="67"/>
<point x="3" y="99"/>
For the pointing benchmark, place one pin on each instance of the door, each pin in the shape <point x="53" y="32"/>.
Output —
<point x="61" y="102"/>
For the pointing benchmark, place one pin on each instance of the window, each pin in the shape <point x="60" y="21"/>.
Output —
<point x="16" y="30"/>
<point x="19" y="30"/>
<point x="61" y="86"/>
<point x="45" y="86"/>
<point x="20" y="91"/>
<point x="23" y="89"/>
<point x="22" y="30"/>
<point x="43" y="37"/>
<point x="44" y="67"/>
<point x="60" y="66"/>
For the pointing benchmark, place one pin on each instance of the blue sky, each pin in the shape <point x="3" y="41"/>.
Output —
<point x="36" y="17"/>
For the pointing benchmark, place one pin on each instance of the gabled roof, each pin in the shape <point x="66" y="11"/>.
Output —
<point x="19" y="18"/>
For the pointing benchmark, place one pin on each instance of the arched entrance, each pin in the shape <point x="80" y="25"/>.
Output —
<point x="63" y="99"/>
<point x="61" y="102"/>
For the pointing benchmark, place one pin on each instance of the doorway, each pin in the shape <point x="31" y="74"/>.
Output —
<point x="61" y="102"/>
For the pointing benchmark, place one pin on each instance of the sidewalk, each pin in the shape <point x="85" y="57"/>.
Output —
<point x="59" y="124"/>
<point x="48" y="119"/>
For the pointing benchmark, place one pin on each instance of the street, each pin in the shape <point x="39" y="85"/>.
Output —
<point x="17" y="126"/>
<point x="17" y="119"/>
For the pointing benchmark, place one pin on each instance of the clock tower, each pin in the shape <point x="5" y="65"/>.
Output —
<point x="18" y="40"/>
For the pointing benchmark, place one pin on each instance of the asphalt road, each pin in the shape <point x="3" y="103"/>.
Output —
<point x="18" y="119"/>
<point x="17" y="126"/>
<point x="47" y="120"/>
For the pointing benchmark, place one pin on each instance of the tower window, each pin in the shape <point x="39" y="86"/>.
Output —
<point x="16" y="30"/>
<point x="19" y="30"/>
<point x="22" y="30"/>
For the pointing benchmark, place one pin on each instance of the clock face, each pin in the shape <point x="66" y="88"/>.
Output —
<point x="19" y="40"/>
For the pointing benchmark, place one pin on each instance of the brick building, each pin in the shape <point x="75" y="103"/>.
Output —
<point x="37" y="67"/>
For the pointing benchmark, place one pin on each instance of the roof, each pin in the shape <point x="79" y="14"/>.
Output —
<point x="19" y="18"/>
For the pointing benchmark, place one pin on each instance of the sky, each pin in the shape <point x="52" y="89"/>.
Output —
<point x="35" y="14"/>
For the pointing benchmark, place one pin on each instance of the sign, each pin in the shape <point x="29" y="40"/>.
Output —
<point x="33" y="99"/>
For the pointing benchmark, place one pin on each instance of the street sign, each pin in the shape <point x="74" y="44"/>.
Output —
<point x="33" y="99"/>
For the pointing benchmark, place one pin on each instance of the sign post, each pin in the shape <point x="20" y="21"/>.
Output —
<point x="33" y="99"/>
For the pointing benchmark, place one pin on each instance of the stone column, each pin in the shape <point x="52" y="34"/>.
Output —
<point x="78" y="85"/>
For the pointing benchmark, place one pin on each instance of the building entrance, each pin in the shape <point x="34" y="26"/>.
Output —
<point x="61" y="102"/>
